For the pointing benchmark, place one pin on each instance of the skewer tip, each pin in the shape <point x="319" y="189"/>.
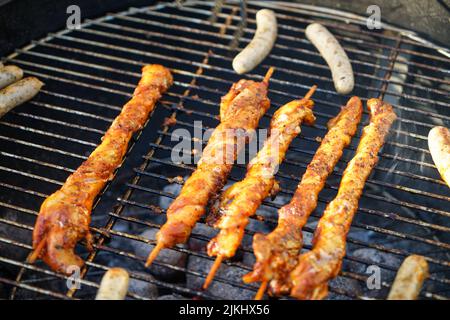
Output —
<point x="310" y="92"/>
<point x="152" y="256"/>
<point x="212" y="272"/>
<point x="262" y="289"/>
<point x="37" y="251"/>
<point x="268" y="75"/>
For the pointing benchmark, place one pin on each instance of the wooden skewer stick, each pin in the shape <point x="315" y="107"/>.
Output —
<point x="154" y="254"/>
<point x="160" y="246"/>
<point x="212" y="272"/>
<point x="259" y="295"/>
<point x="268" y="75"/>
<point x="310" y="92"/>
<point x="219" y="258"/>
<point x="218" y="261"/>
<point x="37" y="252"/>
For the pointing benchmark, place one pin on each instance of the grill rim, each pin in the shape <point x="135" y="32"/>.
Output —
<point x="157" y="7"/>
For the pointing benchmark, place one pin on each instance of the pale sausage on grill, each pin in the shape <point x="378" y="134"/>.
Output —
<point x="334" y="55"/>
<point x="409" y="279"/>
<point x="261" y="44"/>
<point x="64" y="216"/>
<point x="114" y="285"/>
<point x="17" y="93"/>
<point x="439" y="145"/>
<point x="9" y="74"/>
<point x="316" y="267"/>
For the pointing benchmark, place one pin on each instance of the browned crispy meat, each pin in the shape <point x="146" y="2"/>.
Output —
<point x="242" y="199"/>
<point x="277" y="252"/>
<point x="240" y="111"/>
<point x="239" y="202"/>
<point x="64" y="216"/>
<point x="316" y="267"/>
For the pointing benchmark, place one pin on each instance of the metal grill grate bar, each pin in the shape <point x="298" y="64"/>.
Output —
<point x="323" y="128"/>
<point x="227" y="82"/>
<point x="288" y="59"/>
<point x="321" y="101"/>
<point x="219" y="25"/>
<point x="132" y="256"/>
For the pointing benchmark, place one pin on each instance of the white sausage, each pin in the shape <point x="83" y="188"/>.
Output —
<point x="9" y="74"/>
<point x="261" y="44"/>
<point x="114" y="285"/>
<point x="17" y="93"/>
<point x="334" y="55"/>
<point x="409" y="279"/>
<point x="439" y="145"/>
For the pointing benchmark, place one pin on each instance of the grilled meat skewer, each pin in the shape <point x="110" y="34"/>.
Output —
<point x="316" y="267"/>
<point x="64" y="216"/>
<point x="242" y="199"/>
<point x="240" y="111"/>
<point x="277" y="252"/>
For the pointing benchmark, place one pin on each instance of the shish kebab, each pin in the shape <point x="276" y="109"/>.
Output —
<point x="277" y="252"/>
<point x="242" y="199"/>
<point x="64" y="216"/>
<point x="316" y="267"/>
<point x="240" y="111"/>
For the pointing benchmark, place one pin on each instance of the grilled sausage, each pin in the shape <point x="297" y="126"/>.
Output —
<point x="64" y="216"/>
<point x="10" y="74"/>
<point x="261" y="44"/>
<point x="409" y="279"/>
<point x="334" y="55"/>
<point x="114" y="285"/>
<point x="316" y="267"/>
<point x="439" y="145"/>
<point x="17" y="93"/>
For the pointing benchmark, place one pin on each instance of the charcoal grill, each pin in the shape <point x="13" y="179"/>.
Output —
<point x="91" y="72"/>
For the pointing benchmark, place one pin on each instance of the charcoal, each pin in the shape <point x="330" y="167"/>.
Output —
<point x="174" y="188"/>
<point x="54" y="286"/>
<point x="376" y="257"/>
<point x="167" y="256"/>
<point x="199" y="244"/>
<point x="342" y="284"/>
<point x="172" y="297"/>
<point x="143" y="288"/>
<point x="336" y="296"/>
<point x="248" y="258"/>
<point x="217" y="288"/>
<point x="4" y="291"/>
<point x="17" y="234"/>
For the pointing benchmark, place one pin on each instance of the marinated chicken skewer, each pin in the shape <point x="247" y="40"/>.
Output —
<point x="64" y="216"/>
<point x="277" y="252"/>
<point x="241" y="200"/>
<point x="316" y="267"/>
<point x="240" y="111"/>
